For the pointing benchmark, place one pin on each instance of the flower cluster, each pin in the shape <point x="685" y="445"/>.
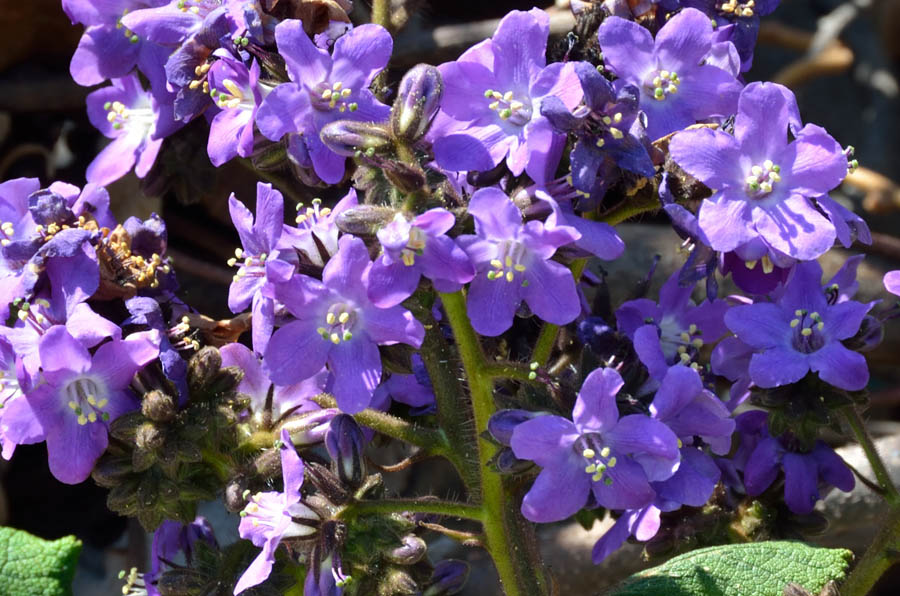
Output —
<point x="459" y="250"/>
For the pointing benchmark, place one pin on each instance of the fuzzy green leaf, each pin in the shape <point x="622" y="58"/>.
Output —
<point x="31" y="566"/>
<point x="754" y="569"/>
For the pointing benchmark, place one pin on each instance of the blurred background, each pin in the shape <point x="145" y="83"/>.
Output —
<point x="842" y="59"/>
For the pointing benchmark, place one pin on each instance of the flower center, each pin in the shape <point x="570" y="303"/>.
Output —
<point x="121" y="116"/>
<point x="327" y="97"/>
<point x="509" y="263"/>
<point x="233" y="96"/>
<point x="87" y="397"/>
<point x="198" y="7"/>
<point x="807" y="331"/>
<point x="414" y="246"/>
<point x="266" y="511"/>
<point x="737" y="9"/>
<point x="604" y="125"/>
<point x="250" y="265"/>
<point x="598" y="456"/>
<point x="128" y="33"/>
<point x="339" y="322"/>
<point x="675" y="340"/>
<point x="762" y="178"/>
<point x="311" y="215"/>
<point x="662" y="83"/>
<point x="508" y="108"/>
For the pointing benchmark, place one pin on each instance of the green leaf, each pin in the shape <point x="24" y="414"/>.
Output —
<point x="754" y="569"/>
<point x="31" y="566"/>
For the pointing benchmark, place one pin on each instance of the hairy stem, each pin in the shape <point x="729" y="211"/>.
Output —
<point x="433" y="441"/>
<point x="447" y="508"/>
<point x="508" y="538"/>
<point x="454" y="415"/>
<point x="878" y="558"/>
<point x="889" y="489"/>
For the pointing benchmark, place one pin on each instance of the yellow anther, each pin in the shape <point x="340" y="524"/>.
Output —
<point x="330" y="318"/>
<point x="335" y="338"/>
<point x="590" y="468"/>
<point x="345" y="316"/>
<point x="496" y="264"/>
<point x="337" y="86"/>
<point x="519" y="267"/>
<point x="92" y="417"/>
<point x="604" y="452"/>
<point x="102" y="403"/>
<point x="73" y="406"/>
<point x="794" y="323"/>
<point x="806" y="332"/>
<point x="588" y="453"/>
<point x="692" y="329"/>
<point x="612" y="462"/>
<point x="82" y="419"/>
<point x="233" y="89"/>
<point x="510" y="276"/>
<point x="508" y="96"/>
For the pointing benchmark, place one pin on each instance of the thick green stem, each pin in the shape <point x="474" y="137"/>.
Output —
<point x="447" y="508"/>
<point x="381" y="15"/>
<point x="508" y="538"/>
<point x="889" y="489"/>
<point x="433" y="441"/>
<point x="453" y="413"/>
<point x="878" y="558"/>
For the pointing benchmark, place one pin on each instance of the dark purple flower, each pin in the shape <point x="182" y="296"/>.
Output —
<point x="136" y="120"/>
<point x="149" y="312"/>
<point x="512" y="261"/>
<point x="82" y="394"/>
<point x="261" y="263"/>
<point x="172" y="23"/>
<point x="285" y="400"/>
<point x="803" y="470"/>
<point x="325" y="88"/>
<point x="272" y="516"/>
<point x="414" y="390"/>
<point x="763" y="183"/>
<point x="413" y="249"/>
<point x="615" y="458"/>
<point x="337" y="324"/>
<point x="236" y="92"/>
<point x="493" y="95"/>
<point x="802" y="332"/>
<point x="10" y="389"/>
<point x="677" y="88"/>
<point x="610" y="135"/>
<point x="675" y="329"/>
<point x="171" y="538"/>
<point x="744" y="18"/>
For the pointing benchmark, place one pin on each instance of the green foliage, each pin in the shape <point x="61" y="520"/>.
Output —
<point x="31" y="566"/>
<point x="753" y="569"/>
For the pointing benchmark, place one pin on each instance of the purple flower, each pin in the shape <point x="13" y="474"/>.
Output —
<point x="610" y="136"/>
<point x="10" y="389"/>
<point x="613" y="458"/>
<point x="325" y="88"/>
<point x="677" y="87"/>
<point x="236" y="91"/>
<point x="136" y="120"/>
<point x="172" y="23"/>
<point x="892" y="282"/>
<point x="413" y="249"/>
<point x="107" y="50"/>
<point x="493" y="95"/>
<point x="596" y="237"/>
<point x="316" y="234"/>
<point x="692" y="484"/>
<point x="803" y="470"/>
<point x="675" y="329"/>
<point x="82" y="394"/>
<point x="802" y="332"/>
<point x="272" y="516"/>
<point x="285" y="400"/>
<point x="262" y="264"/>
<point x="763" y="184"/>
<point x="512" y="261"/>
<point x="337" y="324"/>
<point x="149" y="312"/>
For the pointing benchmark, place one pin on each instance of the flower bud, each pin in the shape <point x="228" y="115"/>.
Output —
<point x="406" y="177"/>
<point x="268" y="156"/>
<point x="345" y="443"/>
<point x="448" y="577"/>
<point x="502" y="424"/>
<point x="182" y="582"/>
<point x="110" y="471"/>
<point x="397" y="582"/>
<point x="203" y="366"/>
<point x="411" y="551"/>
<point x="346" y="137"/>
<point x="363" y="220"/>
<point x="309" y="428"/>
<point x="159" y="406"/>
<point x="869" y="336"/>
<point x="418" y="99"/>
<point x="506" y="462"/>
<point x="149" y="438"/>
